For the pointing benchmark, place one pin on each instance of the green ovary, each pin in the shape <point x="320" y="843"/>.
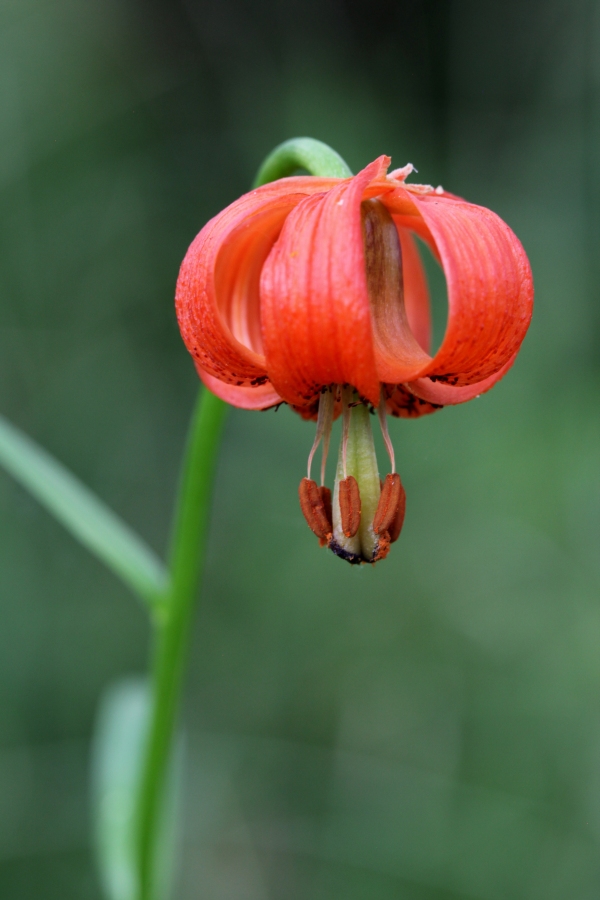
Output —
<point x="361" y="462"/>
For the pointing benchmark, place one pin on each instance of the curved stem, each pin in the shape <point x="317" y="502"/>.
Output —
<point x="173" y="624"/>
<point x="302" y="153"/>
<point x="174" y="615"/>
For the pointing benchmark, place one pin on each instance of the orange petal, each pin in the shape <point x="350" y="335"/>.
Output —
<point x="260" y="396"/>
<point x="398" y="354"/>
<point x="403" y="403"/>
<point x="314" y="303"/>
<point x="217" y="298"/>
<point x="416" y="291"/>
<point x="448" y="395"/>
<point x="490" y="287"/>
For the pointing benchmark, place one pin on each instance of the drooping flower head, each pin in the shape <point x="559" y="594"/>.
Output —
<point x="311" y="291"/>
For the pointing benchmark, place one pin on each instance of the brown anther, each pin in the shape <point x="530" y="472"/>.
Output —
<point x="326" y="498"/>
<point x="315" y="503"/>
<point x="349" y="505"/>
<point x="396" y="526"/>
<point x="389" y="516"/>
<point x="383" y="547"/>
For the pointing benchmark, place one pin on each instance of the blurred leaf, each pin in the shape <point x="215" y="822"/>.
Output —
<point x="121" y="728"/>
<point x="88" y="519"/>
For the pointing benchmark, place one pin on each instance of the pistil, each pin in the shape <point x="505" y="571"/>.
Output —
<point x="357" y="461"/>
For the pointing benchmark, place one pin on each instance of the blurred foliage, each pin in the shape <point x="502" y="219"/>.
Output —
<point x="428" y="729"/>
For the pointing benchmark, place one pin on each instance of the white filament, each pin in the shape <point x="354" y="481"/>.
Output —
<point x="324" y="420"/>
<point x="384" y="429"/>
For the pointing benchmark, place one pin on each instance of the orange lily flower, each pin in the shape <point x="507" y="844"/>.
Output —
<point x="311" y="291"/>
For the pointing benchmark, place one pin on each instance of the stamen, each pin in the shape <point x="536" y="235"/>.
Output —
<point x="390" y="509"/>
<point x="349" y="498"/>
<point x="324" y="420"/>
<point x="396" y="526"/>
<point x="315" y="503"/>
<point x="389" y="517"/>
<point x="326" y="498"/>
<point x="381" y="411"/>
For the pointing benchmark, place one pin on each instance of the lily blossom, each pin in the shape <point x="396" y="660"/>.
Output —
<point x="311" y="291"/>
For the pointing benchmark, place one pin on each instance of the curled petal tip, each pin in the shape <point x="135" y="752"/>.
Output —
<point x="402" y="173"/>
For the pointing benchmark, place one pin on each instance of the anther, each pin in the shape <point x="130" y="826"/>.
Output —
<point x="349" y="496"/>
<point x="389" y="516"/>
<point x="326" y="498"/>
<point x="315" y="503"/>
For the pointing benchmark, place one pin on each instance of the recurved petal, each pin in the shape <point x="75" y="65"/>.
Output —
<point x="403" y="403"/>
<point x="217" y="298"/>
<point x="490" y="287"/>
<point x="416" y="291"/>
<point x="448" y="395"/>
<point x="398" y="354"/>
<point x="260" y="396"/>
<point x="314" y="302"/>
<point x="424" y="396"/>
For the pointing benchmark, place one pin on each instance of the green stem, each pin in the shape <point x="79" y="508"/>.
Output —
<point x="173" y="626"/>
<point x="174" y="617"/>
<point x="302" y="153"/>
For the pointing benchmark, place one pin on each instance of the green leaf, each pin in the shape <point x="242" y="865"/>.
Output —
<point x="117" y="754"/>
<point x="88" y="519"/>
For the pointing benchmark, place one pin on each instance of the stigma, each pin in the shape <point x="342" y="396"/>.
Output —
<point x="365" y="515"/>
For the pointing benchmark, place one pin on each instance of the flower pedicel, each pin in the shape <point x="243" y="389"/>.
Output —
<point x="311" y="291"/>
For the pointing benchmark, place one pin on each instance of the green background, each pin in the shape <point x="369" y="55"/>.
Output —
<point x="428" y="729"/>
